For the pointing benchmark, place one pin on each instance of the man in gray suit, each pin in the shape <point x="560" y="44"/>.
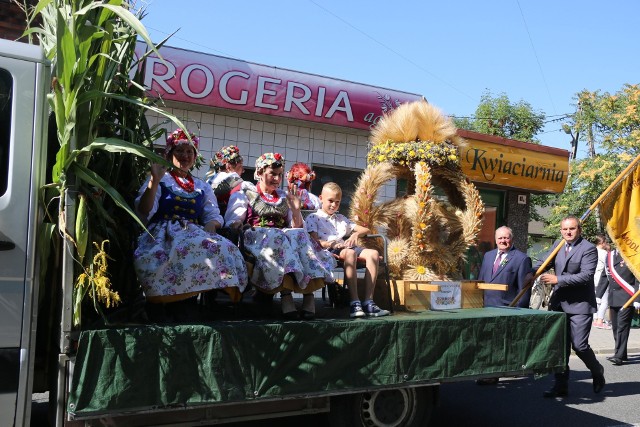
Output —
<point x="574" y="294"/>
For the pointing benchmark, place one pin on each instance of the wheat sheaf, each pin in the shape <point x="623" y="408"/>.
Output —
<point x="428" y="234"/>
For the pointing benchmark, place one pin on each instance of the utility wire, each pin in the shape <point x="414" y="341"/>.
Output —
<point x="410" y="61"/>
<point x="536" y="55"/>
<point x="558" y="118"/>
<point x="207" y="48"/>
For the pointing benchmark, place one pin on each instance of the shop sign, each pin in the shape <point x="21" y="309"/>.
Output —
<point x="514" y="164"/>
<point x="216" y="81"/>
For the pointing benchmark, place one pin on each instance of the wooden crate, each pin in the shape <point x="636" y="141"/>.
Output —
<point x="416" y="295"/>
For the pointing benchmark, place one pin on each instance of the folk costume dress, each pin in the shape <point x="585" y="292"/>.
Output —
<point x="178" y="258"/>
<point x="310" y="201"/>
<point x="281" y="253"/>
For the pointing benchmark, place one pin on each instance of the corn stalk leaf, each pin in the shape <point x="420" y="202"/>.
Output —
<point x="94" y="179"/>
<point x="117" y="145"/>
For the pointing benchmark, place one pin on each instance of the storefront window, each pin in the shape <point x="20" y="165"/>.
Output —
<point x="247" y="175"/>
<point x="345" y="178"/>
<point x="6" y="83"/>
<point x="494" y="202"/>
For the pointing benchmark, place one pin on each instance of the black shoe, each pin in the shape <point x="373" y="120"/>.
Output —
<point x="308" y="315"/>
<point x="624" y="359"/>
<point x="291" y="315"/>
<point x="555" y="392"/>
<point x="487" y="381"/>
<point x="599" y="381"/>
<point x="615" y="360"/>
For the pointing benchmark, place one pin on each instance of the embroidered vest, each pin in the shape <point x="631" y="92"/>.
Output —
<point x="174" y="207"/>
<point x="266" y="214"/>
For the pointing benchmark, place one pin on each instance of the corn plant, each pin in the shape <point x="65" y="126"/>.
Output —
<point x="104" y="140"/>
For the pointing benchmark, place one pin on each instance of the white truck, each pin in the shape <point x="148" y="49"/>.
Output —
<point x="372" y="372"/>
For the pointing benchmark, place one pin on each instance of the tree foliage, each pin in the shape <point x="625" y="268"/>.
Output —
<point x="500" y="117"/>
<point x="609" y="125"/>
<point x="588" y="178"/>
<point x="612" y="119"/>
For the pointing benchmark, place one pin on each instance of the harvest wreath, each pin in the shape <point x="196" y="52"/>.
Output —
<point x="428" y="234"/>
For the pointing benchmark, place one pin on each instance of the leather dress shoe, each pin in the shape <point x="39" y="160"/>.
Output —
<point x="624" y="359"/>
<point x="555" y="392"/>
<point x="599" y="381"/>
<point x="616" y="361"/>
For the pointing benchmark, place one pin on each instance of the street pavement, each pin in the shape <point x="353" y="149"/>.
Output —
<point x="601" y="340"/>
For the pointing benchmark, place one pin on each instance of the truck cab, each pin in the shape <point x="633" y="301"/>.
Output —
<point x="23" y="109"/>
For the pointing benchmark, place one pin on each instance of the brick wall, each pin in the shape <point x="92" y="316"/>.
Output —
<point x="12" y="19"/>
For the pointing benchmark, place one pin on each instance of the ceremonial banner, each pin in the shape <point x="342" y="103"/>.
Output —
<point x="620" y="211"/>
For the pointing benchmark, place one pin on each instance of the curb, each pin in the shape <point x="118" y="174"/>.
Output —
<point x="600" y="351"/>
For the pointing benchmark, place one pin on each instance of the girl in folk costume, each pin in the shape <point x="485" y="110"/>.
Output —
<point x="299" y="178"/>
<point x="214" y="169"/>
<point x="286" y="258"/>
<point x="228" y="179"/>
<point x="181" y="255"/>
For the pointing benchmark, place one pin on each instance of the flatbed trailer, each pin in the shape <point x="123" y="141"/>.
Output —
<point x="211" y="371"/>
<point x="365" y="372"/>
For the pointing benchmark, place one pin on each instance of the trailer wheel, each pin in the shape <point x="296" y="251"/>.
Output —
<point x="400" y="407"/>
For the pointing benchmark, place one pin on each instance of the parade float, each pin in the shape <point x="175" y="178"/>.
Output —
<point x="430" y="229"/>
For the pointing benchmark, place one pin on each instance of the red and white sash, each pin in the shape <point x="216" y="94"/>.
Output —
<point x="619" y="280"/>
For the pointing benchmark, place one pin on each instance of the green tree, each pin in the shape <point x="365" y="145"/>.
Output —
<point x="588" y="178"/>
<point x="498" y="116"/>
<point x="609" y="126"/>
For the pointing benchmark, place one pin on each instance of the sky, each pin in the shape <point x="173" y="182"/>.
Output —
<point x="538" y="51"/>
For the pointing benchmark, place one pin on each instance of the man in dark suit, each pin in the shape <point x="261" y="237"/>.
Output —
<point x="622" y="285"/>
<point x="574" y="294"/>
<point x="508" y="266"/>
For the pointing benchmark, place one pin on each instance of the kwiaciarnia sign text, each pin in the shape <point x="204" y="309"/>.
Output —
<point x="516" y="165"/>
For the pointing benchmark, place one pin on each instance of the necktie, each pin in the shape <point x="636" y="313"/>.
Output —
<point x="567" y="249"/>
<point x="496" y="264"/>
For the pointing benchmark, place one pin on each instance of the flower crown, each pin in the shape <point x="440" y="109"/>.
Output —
<point x="268" y="159"/>
<point x="229" y="154"/>
<point x="178" y="137"/>
<point x="409" y="153"/>
<point x="300" y="172"/>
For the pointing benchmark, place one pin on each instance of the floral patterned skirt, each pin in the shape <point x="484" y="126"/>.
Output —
<point x="287" y="251"/>
<point x="183" y="258"/>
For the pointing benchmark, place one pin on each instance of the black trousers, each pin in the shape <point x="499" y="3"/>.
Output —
<point x="578" y="330"/>
<point x="621" y="326"/>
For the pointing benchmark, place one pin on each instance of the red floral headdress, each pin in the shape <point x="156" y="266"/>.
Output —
<point x="300" y="175"/>
<point x="178" y="137"/>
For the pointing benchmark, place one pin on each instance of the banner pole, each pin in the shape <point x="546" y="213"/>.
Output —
<point x="584" y="216"/>
<point x="628" y="303"/>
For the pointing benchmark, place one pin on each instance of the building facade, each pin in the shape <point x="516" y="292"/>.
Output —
<point x="326" y="123"/>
